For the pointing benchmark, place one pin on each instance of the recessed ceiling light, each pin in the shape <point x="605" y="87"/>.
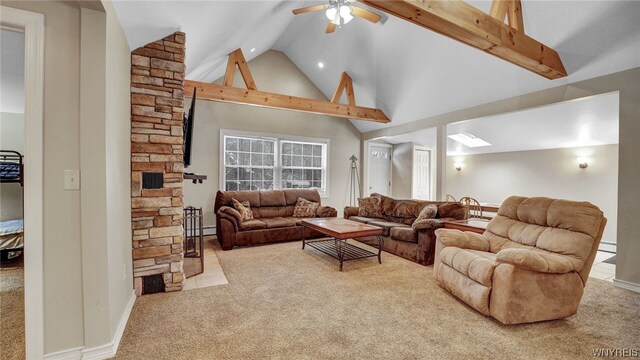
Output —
<point x="321" y="65"/>
<point x="252" y="50"/>
<point x="469" y="140"/>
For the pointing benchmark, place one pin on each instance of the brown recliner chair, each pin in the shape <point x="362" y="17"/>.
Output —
<point x="531" y="264"/>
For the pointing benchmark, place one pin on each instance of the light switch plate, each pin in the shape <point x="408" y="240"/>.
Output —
<point x="72" y="179"/>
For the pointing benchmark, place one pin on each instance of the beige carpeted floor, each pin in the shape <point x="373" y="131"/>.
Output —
<point x="12" y="310"/>
<point x="285" y="303"/>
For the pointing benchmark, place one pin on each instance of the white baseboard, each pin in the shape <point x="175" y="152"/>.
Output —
<point x="626" y="285"/>
<point x="69" y="354"/>
<point x="105" y="351"/>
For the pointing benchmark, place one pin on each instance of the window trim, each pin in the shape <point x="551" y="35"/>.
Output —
<point x="278" y="165"/>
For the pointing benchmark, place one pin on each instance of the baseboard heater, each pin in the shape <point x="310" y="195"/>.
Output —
<point x="604" y="246"/>
<point x="206" y="230"/>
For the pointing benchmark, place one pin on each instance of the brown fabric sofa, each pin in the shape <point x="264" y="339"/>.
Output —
<point x="531" y="264"/>
<point x="402" y="235"/>
<point x="273" y="219"/>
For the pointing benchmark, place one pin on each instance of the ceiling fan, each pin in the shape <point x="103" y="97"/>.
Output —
<point x="340" y="12"/>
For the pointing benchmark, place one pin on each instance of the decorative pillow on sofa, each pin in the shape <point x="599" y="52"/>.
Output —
<point x="451" y="210"/>
<point x="370" y="207"/>
<point x="243" y="208"/>
<point x="305" y="208"/>
<point x="428" y="212"/>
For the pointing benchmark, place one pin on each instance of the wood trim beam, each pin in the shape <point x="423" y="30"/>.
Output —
<point x="230" y="73"/>
<point x="514" y="15"/>
<point x="345" y="83"/>
<point x="469" y="25"/>
<point x="237" y="58"/>
<point x="244" y="70"/>
<point x="499" y="9"/>
<point x="221" y="93"/>
<point x="351" y="96"/>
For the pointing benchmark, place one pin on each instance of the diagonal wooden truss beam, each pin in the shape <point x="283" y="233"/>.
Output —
<point x="251" y="96"/>
<point x="469" y="25"/>
<point x="511" y="9"/>
<point x="236" y="58"/>
<point x="345" y="83"/>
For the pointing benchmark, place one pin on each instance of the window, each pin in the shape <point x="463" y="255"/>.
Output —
<point x="262" y="163"/>
<point x="249" y="163"/>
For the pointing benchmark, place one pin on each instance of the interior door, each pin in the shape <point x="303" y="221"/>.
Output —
<point x="421" y="174"/>
<point x="379" y="169"/>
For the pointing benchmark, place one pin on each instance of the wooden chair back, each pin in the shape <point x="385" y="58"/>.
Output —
<point x="472" y="208"/>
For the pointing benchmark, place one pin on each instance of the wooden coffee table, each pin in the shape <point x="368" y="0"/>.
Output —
<point x="340" y="230"/>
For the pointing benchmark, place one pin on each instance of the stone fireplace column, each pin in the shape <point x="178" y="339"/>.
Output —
<point x="157" y="110"/>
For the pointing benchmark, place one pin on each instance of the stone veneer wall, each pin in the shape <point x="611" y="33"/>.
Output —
<point x="157" y="110"/>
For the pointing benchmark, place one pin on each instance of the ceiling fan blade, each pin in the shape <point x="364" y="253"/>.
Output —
<point x="365" y="14"/>
<point x="308" y="9"/>
<point x="331" y="27"/>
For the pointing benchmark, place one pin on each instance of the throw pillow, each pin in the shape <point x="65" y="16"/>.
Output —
<point x="428" y="212"/>
<point x="243" y="208"/>
<point x="451" y="210"/>
<point x="305" y="208"/>
<point x="370" y="207"/>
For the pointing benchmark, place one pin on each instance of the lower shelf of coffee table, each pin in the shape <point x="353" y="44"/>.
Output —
<point x="340" y="249"/>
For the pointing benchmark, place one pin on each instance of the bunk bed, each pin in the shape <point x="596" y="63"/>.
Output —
<point x="12" y="231"/>
<point x="11" y="167"/>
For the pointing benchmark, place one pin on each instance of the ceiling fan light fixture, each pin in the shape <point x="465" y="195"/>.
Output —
<point x="331" y="13"/>
<point x="345" y="13"/>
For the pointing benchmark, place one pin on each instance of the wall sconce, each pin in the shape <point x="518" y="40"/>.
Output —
<point x="582" y="163"/>
<point x="458" y="166"/>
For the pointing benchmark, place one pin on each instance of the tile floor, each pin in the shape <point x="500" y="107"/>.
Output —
<point x="601" y="270"/>
<point x="213" y="274"/>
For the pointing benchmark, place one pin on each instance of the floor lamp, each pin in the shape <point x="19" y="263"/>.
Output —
<point x="354" y="194"/>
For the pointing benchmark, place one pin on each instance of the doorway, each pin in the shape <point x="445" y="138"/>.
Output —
<point x="31" y="25"/>
<point x="421" y="184"/>
<point x="11" y="192"/>
<point x="379" y="168"/>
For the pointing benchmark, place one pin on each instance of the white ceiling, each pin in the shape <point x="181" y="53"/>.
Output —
<point x="583" y="122"/>
<point x="409" y="72"/>
<point x="424" y="137"/>
<point x="11" y="71"/>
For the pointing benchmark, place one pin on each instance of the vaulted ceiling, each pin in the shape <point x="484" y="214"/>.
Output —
<point x="409" y="72"/>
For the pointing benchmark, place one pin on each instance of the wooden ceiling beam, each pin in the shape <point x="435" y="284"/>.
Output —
<point x="228" y="94"/>
<point x="467" y="24"/>
<point x="514" y="15"/>
<point x="345" y="83"/>
<point x="236" y="58"/>
<point x="230" y="73"/>
<point x="499" y="9"/>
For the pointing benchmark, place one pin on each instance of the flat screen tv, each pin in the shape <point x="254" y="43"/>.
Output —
<point x="188" y="131"/>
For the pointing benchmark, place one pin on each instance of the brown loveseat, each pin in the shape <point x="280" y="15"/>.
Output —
<point x="531" y="264"/>
<point x="273" y="219"/>
<point x="403" y="235"/>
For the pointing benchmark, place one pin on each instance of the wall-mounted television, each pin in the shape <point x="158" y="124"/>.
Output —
<point x="188" y="131"/>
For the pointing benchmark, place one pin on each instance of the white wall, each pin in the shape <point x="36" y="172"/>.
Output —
<point x="272" y="72"/>
<point x="63" y="316"/>
<point x="12" y="71"/>
<point x="11" y="138"/>
<point x="552" y="173"/>
<point x="402" y="170"/>
<point x="118" y="150"/>
<point x="87" y="275"/>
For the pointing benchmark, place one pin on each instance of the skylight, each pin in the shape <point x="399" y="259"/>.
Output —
<point x="469" y="140"/>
